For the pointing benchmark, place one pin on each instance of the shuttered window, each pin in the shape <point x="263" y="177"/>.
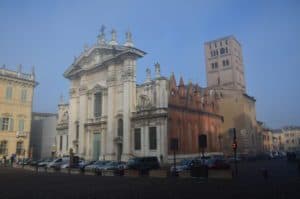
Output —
<point x="21" y="124"/>
<point x="23" y="95"/>
<point x="9" y="91"/>
<point x="97" y="104"/>
<point x="137" y="139"/>
<point x="152" y="138"/>
<point x="3" y="147"/>
<point x="19" y="150"/>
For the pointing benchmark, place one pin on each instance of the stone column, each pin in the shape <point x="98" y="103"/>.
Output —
<point x="110" y="133"/>
<point x="72" y="117"/>
<point x="129" y="100"/>
<point x="82" y="120"/>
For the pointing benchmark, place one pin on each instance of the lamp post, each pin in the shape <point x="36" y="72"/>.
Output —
<point x="174" y="147"/>
<point x="234" y="147"/>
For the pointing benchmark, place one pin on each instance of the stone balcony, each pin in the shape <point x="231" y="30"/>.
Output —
<point x="21" y="134"/>
<point x="96" y="120"/>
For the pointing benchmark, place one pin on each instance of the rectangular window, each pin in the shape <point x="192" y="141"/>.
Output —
<point x="21" y="125"/>
<point x="152" y="138"/>
<point x="216" y="65"/>
<point x="4" y="124"/>
<point x="213" y="65"/>
<point x="3" y="147"/>
<point x="9" y="90"/>
<point x="19" y="150"/>
<point x="23" y="95"/>
<point x="60" y="142"/>
<point x="97" y="104"/>
<point x="137" y="139"/>
<point x="67" y="144"/>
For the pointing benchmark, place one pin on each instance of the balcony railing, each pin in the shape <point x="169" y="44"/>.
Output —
<point x="21" y="134"/>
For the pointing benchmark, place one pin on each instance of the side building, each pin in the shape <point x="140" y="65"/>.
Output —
<point x="16" y="95"/>
<point x="43" y="132"/>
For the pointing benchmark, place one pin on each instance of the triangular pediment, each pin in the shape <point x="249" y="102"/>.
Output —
<point x="97" y="56"/>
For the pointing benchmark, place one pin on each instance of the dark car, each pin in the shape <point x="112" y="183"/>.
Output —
<point x="86" y="163"/>
<point x="218" y="164"/>
<point x="143" y="163"/>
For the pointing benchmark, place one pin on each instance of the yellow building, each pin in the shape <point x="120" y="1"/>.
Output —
<point x="239" y="112"/>
<point x="16" y="94"/>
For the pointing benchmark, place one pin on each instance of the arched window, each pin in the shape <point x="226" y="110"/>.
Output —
<point x="120" y="127"/>
<point x="98" y="104"/>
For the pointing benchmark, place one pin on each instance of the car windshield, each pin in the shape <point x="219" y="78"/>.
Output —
<point x="184" y="162"/>
<point x="101" y="162"/>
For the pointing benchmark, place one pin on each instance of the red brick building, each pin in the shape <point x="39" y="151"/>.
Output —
<point x="193" y="111"/>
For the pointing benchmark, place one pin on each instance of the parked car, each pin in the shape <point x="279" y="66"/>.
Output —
<point x="56" y="164"/>
<point x="25" y="161"/>
<point x="34" y="162"/>
<point x="76" y="163"/>
<point x="183" y="165"/>
<point x="97" y="164"/>
<point x="216" y="163"/>
<point x="231" y="159"/>
<point x="85" y="164"/>
<point x="143" y="163"/>
<point x="44" y="162"/>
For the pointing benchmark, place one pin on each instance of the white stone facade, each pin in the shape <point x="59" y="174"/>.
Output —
<point x="106" y="106"/>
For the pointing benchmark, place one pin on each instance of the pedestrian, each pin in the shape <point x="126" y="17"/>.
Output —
<point x="4" y="159"/>
<point x="11" y="160"/>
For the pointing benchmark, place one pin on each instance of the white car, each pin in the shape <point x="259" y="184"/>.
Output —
<point x="56" y="164"/>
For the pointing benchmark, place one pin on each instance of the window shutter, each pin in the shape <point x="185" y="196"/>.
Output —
<point x="11" y="124"/>
<point x="0" y="123"/>
<point x="21" y="125"/>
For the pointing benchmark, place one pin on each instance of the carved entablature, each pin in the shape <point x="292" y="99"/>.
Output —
<point x="144" y="103"/>
<point x="98" y="88"/>
<point x="82" y="90"/>
<point x="128" y="74"/>
<point x="72" y="92"/>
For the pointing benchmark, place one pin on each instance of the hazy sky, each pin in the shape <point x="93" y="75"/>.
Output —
<point x="48" y="34"/>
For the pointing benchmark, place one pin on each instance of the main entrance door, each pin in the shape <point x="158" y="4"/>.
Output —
<point x="96" y="146"/>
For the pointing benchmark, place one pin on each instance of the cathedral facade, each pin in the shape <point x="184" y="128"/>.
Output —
<point x="109" y="116"/>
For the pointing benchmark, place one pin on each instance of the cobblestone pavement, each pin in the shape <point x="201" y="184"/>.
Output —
<point x="283" y="182"/>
